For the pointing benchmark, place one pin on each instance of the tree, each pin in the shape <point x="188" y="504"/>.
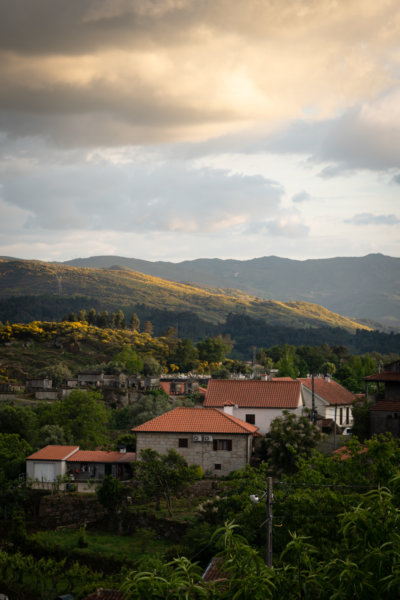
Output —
<point x="148" y="327"/>
<point x="84" y="417"/>
<point x="289" y="439"/>
<point x="111" y="494"/>
<point x="163" y="475"/>
<point x="134" y="322"/>
<point x="185" y="355"/>
<point x="58" y="373"/>
<point x="13" y="452"/>
<point x="52" y="435"/>
<point x="129" y="360"/>
<point x="151" y="367"/>
<point x="20" y="420"/>
<point x="212" y="349"/>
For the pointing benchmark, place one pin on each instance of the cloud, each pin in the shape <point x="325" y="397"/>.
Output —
<point x="364" y="137"/>
<point x="286" y="226"/>
<point x="145" y="71"/>
<point x="301" y="197"/>
<point x="370" y="219"/>
<point x="136" y="196"/>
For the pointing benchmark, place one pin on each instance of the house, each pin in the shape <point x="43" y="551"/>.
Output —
<point x="385" y="412"/>
<point x="211" y="438"/>
<point x="257" y="402"/>
<point x="53" y="462"/>
<point x="333" y="403"/>
<point x="49" y="463"/>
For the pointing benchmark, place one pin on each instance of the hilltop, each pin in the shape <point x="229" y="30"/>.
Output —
<point x="365" y="287"/>
<point x="116" y="288"/>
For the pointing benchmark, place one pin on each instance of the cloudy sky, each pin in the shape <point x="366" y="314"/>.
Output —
<point x="179" y="129"/>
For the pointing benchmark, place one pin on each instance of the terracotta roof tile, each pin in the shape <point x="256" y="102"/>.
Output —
<point x="253" y="393"/>
<point x="100" y="456"/>
<point x="197" y="420"/>
<point x="387" y="405"/>
<point x="331" y="391"/>
<point x="53" y="453"/>
<point x="385" y="376"/>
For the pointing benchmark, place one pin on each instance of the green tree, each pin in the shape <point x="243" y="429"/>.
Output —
<point x="289" y="439"/>
<point x="151" y="367"/>
<point x="111" y="494"/>
<point x="13" y="452"/>
<point x="186" y="356"/>
<point x="134" y="322"/>
<point x="53" y="435"/>
<point x="129" y="360"/>
<point x="58" y="373"/>
<point x="20" y="420"/>
<point x="212" y="349"/>
<point x="84" y="417"/>
<point x="163" y="475"/>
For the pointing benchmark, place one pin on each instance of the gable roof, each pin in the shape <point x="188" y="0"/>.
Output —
<point x="330" y="391"/>
<point x="53" y="453"/>
<point x="253" y="393"/>
<point x="197" y="420"/>
<point x="101" y="456"/>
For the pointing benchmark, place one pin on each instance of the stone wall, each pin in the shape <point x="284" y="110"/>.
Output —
<point x="69" y="509"/>
<point x="200" y="453"/>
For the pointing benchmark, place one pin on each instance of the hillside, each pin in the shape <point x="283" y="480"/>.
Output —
<point x="121" y="287"/>
<point x="361" y="288"/>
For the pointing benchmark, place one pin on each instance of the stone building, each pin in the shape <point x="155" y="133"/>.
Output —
<point x="218" y="442"/>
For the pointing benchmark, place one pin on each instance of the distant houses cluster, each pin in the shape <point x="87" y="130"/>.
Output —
<point x="220" y="435"/>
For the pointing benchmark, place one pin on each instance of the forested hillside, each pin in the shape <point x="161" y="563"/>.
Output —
<point x="365" y="287"/>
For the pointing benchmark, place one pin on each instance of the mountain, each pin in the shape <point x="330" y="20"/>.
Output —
<point x="366" y="288"/>
<point x="119" y="287"/>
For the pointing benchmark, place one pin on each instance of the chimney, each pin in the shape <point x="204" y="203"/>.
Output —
<point x="328" y="378"/>
<point x="122" y="449"/>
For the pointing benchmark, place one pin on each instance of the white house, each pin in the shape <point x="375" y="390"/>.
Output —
<point x="332" y="401"/>
<point x="257" y="402"/>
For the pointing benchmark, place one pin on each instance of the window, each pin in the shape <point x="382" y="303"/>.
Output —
<point x="340" y="416"/>
<point x="251" y="419"/>
<point x="217" y="467"/>
<point x="347" y="415"/>
<point x="222" y="445"/>
<point x="183" y="443"/>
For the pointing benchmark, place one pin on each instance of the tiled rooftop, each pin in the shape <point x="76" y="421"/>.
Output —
<point x="253" y="393"/>
<point x="385" y="376"/>
<point x="331" y="391"/>
<point x="387" y="405"/>
<point x="54" y="453"/>
<point x="100" y="456"/>
<point x="196" y="420"/>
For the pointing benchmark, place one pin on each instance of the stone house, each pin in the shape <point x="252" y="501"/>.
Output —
<point x="257" y="402"/>
<point x="218" y="442"/>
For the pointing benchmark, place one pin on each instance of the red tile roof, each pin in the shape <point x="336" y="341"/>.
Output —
<point x="385" y="376"/>
<point x="331" y="391"/>
<point x="282" y="379"/>
<point x="344" y="453"/>
<point x="387" y="405"/>
<point x="253" y="393"/>
<point x="100" y="456"/>
<point x="197" y="420"/>
<point x="53" y="453"/>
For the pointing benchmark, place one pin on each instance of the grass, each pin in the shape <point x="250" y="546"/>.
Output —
<point x="129" y="547"/>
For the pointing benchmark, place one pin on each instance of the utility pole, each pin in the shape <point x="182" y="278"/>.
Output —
<point x="313" y="415"/>
<point x="268" y="540"/>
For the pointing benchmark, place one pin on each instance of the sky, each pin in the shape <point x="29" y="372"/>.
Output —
<point x="180" y="129"/>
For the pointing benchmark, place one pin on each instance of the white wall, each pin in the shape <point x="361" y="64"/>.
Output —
<point x="263" y="416"/>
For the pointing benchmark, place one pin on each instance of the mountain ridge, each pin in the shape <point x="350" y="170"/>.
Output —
<point x="365" y="287"/>
<point x="124" y="286"/>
